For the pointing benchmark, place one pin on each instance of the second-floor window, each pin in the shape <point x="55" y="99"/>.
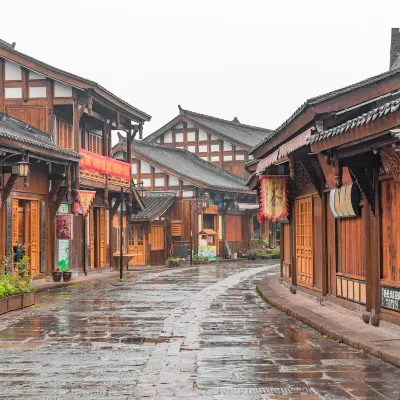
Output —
<point x="65" y="134"/>
<point x="95" y="142"/>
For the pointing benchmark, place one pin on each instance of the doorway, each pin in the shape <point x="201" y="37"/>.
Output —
<point x="26" y="232"/>
<point x="136" y="244"/>
<point x="304" y="242"/>
<point x="97" y="237"/>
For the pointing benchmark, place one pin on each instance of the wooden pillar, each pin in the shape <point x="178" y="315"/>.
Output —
<point x="376" y="259"/>
<point x="77" y="136"/>
<point x="2" y="71"/>
<point x="367" y="260"/>
<point x="281" y="249"/>
<point x="105" y="138"/>
<point x="324" y="265"/>
<point x="49" y="93"/>
<point x="293" y="287"/>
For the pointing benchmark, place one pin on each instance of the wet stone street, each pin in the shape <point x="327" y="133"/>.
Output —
<point x="182" y="333"/>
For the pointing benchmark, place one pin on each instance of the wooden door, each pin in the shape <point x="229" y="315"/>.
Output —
<point x="304" y="242"/>
<point x="101" y="229"/>
<point x="136" y="244"/>
<point x="34" y="238"/>
<point x="91" y="238"/>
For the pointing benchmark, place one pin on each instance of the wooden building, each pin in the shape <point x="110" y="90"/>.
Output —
<point x="77" y="114"/>
<point x="27" y="204"/>
<point x="223" y="143"/>
<point x="206" y="197"/>
<point x="340" y="151"/>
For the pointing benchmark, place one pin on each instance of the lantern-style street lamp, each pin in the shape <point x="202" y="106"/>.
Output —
<point x="21" y="169"/>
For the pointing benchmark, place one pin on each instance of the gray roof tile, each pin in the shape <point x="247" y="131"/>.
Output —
<point x="363" y="119"/>
<point x="189" y="165"/>
<point x="155" y="203"/>
<point x="21" y="132"/>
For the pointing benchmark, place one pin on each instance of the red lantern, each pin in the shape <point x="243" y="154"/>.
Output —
<point x="75" y="208"/>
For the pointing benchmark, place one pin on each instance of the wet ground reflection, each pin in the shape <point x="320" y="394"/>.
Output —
<point x="181" y="333"/>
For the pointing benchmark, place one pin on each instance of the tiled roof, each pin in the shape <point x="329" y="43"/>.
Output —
<point x="327" y="96"/>
<point x="396" y="64"/>
<point x="189" y="165"/>
<point x="156" y="203"/>
<point x="247" y="135"/>
<point x="363" y="119"/>
<point x="20" y="132"/>
<point x="92" y="83"/>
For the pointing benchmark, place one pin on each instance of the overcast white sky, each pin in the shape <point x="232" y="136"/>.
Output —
<point x="256" y="60"/>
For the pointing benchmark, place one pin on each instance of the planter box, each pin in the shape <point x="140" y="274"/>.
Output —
<point x="28" y="300"/>
<point x="3" y="306"/>
<point x="15" y="302"/>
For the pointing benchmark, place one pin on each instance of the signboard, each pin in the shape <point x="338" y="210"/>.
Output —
<point x="104" y="165"/>
<point x="63" y="254"/>
<point x="85" y="200"/>
<point x="64" y="226"/>
<point x="273" y="194"/>
<point x="344" y="202"/>
<point x="390" y="297"/>
<point x="208" y="251"/>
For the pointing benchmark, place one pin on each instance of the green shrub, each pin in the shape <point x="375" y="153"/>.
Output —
<point x="11" y="285"/>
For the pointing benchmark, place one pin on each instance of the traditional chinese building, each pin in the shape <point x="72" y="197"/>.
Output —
<point x="78" y="115"/>
<point x="223" y="143"/>
<point x="337" y="155"/>
<point x="205" y="196"/>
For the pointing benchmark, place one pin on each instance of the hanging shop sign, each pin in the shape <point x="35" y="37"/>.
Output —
<point x="85" y="200"/>
<point x="345" y="201"/>
<point x="390" y="297"/>
<point x="273" y="199"/>
<point x="104" y="165"/>
<point x="64" y="226"/>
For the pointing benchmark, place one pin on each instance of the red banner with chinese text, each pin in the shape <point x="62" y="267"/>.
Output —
<point x="273" y="194"/>
<point x="104" y="165"/>
<point x="85" y="200"/>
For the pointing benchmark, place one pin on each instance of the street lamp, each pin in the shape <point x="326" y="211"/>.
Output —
<point x="20" y="168"/>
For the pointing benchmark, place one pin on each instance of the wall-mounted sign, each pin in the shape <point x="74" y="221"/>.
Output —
<point x="390" y="297"/>
<point x="345" y="202"/>
<point x="274" y="203"/>
<point x="64" y="226"/>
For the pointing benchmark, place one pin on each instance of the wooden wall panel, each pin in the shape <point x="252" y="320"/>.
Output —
<point x="33" y="115"/>
<point x="302" y="178"/>
<point x="234" y="228"/>
<point x="285" y="231"/>
<point x="390" y="231"/>
<point x="351" y="246"/>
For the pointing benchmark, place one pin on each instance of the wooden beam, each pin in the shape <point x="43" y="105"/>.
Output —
<point x="82" y="110"/>
<point x="8" y="188"/>
<point x="314" y="177"/>
<point x="115" y="207"/>
<point x="25" y="79"/>
<point x="363" y="178"/>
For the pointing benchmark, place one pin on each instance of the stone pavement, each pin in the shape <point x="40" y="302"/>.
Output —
<point x="344" y="327"/>
<point x="198" y="332"/>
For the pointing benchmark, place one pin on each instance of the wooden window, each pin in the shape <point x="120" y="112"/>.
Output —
<point x="304" y="241"/>
<point x="95" y="143"/>
<point x="131" y="237"/>
<point x="157" y="238"/>
<point x="140" y="236"/>
<point x="65" y="135"/>
<point x="176" y="229"/>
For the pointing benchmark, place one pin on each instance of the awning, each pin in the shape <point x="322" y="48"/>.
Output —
<point x="283" y="151"/>
<point x="248" y="206"/>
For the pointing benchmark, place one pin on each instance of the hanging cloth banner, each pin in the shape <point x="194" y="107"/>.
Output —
<point x="85" y="200"/>
<point x="273" y="194"/>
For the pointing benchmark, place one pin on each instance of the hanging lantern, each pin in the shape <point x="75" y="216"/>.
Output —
<point x="75" y="208"/>
<point x="21" y="169"/>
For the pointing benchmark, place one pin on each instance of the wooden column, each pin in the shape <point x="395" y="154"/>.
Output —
<point x="2" y="71"/>
<point x="367" y="257"/>
<point x="293" y="288"/>
<point x="376" y="259"/>
<point x="50" y="106"/>
<point x="324" y="265"/>
<point x="77" y="136"/>
<point x="282" y="248"/>
<point x="105" y="138"/>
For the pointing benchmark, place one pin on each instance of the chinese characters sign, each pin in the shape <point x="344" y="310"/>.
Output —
<point x="104" y="165"/>
<point x="390" y="297"/>
<point x="85" y="200"/>
<point x="273" y="197"/>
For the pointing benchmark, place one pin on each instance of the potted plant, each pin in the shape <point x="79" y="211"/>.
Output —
<point x="63" y="266"/>
<point x="205" y="260"/>
<point x="57" y="275"/>
<point x="173" y="262"/>
<point x="196" y="259"/>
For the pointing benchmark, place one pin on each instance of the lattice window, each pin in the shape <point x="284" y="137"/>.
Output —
<point x="140" y="236"/>
<point x="157" y="238"/>
<point x="131" y="237"/>
<point x="65" y="134"/>
<point x="95" y="143"/>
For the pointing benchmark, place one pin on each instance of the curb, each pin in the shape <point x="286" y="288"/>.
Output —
<point x="383" y="350"/>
